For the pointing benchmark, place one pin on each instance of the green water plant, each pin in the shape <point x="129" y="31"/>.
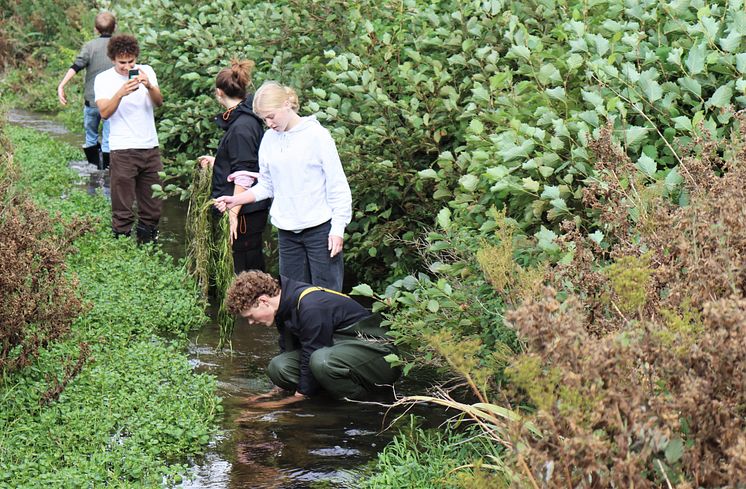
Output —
<point x="209" y="253"/>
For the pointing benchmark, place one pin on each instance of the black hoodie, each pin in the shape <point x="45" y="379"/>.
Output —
<point x="310" y="324"/>
<point x="238" y="150"/>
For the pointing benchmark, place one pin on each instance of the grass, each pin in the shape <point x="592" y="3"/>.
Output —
<point x="435" y="459"/>
<point x="137" y="409"/>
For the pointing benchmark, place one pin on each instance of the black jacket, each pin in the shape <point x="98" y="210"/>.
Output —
<point x="311" y="325"/>
<point x="238" y="150"/>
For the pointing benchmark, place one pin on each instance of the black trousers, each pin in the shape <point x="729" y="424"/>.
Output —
<point x="247" y="247"/>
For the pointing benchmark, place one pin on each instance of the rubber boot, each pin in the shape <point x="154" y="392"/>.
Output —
<point x="91" y="154"/>
<point x="105" y="160"/>
<point x="120" y="234"/>
<point x="146" y="234"/>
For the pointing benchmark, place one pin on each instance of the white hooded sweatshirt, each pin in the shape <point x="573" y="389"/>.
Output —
<point x="301" y="170"/>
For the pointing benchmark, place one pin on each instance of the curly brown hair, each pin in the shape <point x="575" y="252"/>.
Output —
<point x="122" y="44"/>
<point x="245" y="290"/>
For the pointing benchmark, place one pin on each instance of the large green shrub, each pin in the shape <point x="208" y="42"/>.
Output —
<point x="462" y="105"/>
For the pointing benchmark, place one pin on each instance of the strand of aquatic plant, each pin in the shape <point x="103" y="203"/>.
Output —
<point x="198" y="229"/>
<point x="223" y="273"/>
<point x="209" y="257"/>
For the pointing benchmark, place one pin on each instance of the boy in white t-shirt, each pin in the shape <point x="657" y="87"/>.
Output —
<point x="125" y="96"/>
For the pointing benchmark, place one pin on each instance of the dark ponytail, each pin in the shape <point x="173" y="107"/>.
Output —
<point x="234" y="80"/>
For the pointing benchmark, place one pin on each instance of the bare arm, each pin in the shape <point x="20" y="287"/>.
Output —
<point x="107" y="106"/>
<point x="229" y="202"/>
<point x="233" y="215"/>
<point x="153" y="90"/>
<point x="155" y="95"/>
<point x="61" y="87"/>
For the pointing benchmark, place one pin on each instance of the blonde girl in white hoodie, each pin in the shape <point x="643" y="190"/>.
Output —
<point x="300" y="170"/>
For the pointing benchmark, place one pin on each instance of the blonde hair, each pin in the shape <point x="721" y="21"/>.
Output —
<point x="234" y="80"/>
<point x="272" y="95"/>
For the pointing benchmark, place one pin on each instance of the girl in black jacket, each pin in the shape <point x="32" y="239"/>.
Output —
<point x="235" y="159"/>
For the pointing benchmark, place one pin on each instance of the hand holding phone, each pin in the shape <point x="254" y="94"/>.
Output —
<point x="134" y="73"/>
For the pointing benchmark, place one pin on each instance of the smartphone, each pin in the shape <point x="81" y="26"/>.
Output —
<point x="134" y="73"/>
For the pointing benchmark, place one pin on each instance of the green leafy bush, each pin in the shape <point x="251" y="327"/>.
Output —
<point x="465" y="105"/>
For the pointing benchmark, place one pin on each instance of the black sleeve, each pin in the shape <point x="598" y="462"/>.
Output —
<point x="315" y="331"/>
<point x="242" y="149"/>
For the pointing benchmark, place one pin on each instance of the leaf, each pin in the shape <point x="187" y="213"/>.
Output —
<point x="469" y="182"/>
<point x="692" y="85"/>
<point x="647" y="165"/>
<point x="531" y="185"/>
<point x="444" y="218"/>
<point x="363" y="289"/>
<point x="550" y="192"/>
<point x="433" y="305"/>
<point x="674" y="450"/>
<point x="695" y="60"/>
<point x="556" y="93"/>
<point x="635" y="134"/>
<point x="731" y="43"/>
<point x="741" y="62"/>
<point x="592" y="98"/>
<point x="428" y="173"/>
<point x="549" y="73"/>
<point x="597" y="236"/>
<point x="497" y="172"/>
<point x="520" y="51"/>
<point x="673" y="179"/>
<point x="545" y="238"/>
<point x="559" y="204"/>
<point x="682" y="122"/>
<point x="739" y="19"/>
<point x="480" y="93"/>
<point x="649" y="86"/>
<point x="476" y="126"/>
<point x="721" y="97"/>
<point x="602" y="44"/>
<point x="711" y="27"/>
<point x="392" y="358"/>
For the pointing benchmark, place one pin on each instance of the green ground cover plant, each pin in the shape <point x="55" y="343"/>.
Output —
<point x="135" y="409"/>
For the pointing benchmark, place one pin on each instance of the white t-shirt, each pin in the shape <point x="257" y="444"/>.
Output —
<point x="132" y="125"/>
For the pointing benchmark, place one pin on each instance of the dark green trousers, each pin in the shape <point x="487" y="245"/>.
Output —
<point x="351" y="368"/>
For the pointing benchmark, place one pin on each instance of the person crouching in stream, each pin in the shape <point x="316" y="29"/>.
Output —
<point x="328" y="341"/>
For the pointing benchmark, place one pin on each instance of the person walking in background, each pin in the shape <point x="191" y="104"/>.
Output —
<point x="94" y="60"/>
<point x="328" y="341"/>
<point x="236" y="160"/>
<point x="299" y="166"/>
<point x="126" y="95"/>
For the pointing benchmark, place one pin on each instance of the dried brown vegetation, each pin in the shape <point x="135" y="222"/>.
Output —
<point x="638" y="377"/>
<point x="37" y="301"/>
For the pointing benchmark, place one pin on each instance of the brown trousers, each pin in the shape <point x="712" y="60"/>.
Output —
<point x="133" y="171"/>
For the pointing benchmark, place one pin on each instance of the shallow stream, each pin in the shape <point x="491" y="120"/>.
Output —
<point x="314" y="443"/>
